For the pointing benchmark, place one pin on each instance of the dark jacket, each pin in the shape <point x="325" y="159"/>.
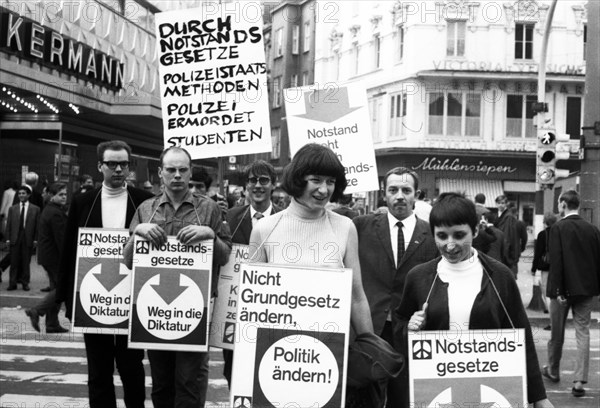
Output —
<point x="346" y="212"/>
<point x="497" y="248"/>
<point x="507" y="223"/>
<point x="240" y="223"/>
<point x="382" y="280"/>
<point x="574" y="258"/>
<point x="487" y="311"/>
<point x="53" y="223"/>
<point x="540" y="248"/>
<point x="86" y="211"/>
<point x="32" y="220"/>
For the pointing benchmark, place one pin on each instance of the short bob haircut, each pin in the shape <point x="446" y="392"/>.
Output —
<point x="112" y="145"/>
<point x="260" y="168"/>
<point x="313" y="159"/>
<point x="453" y="209"/>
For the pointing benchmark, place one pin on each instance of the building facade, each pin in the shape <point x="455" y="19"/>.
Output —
<point x="451" y="86"/>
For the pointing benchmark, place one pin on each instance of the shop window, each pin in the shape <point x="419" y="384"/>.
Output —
<point x="519" y="115"/>
<point x="295" y="39"/>
<point x="277" y="92"/>
<point x="400" y="43"/>
<point x="455" y="113"/>
<point x="275" y="142"/>
<point x="574" y="117"/>
<point x="397" y="114"/>
<point x="456" y="32"/>
<point x="524" y="41"/>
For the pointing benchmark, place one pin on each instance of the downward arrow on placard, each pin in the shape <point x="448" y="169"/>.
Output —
<point x="109" y="275"/>
<point x="168" y="287"/>
<point x="327" y="105"/>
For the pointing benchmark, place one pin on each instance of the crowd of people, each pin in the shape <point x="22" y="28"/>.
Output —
<point x="416" y="266"/>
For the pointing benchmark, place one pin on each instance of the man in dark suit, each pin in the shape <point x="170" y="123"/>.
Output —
<point x="573" y="282"/>
<point x="21" y="233"/>
<point x="260" y="181"/>
<point x="111" y="206"/>
<point x="391" y="244"/>
<point x="507" y="222"/>
<point x="35" y="198"/>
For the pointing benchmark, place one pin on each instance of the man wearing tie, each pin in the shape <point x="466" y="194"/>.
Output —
<point x="391" y="244"/>
<point x="260" y="181"/>
<point x="21" y="230"/>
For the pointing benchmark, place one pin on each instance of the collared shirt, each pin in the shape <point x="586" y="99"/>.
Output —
<point x="194" y="210"/>
<point x="266" y="213"/>
<point x="408" y="228"/>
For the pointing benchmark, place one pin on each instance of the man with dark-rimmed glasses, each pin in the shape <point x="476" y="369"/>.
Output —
<point x="110" y="206"/>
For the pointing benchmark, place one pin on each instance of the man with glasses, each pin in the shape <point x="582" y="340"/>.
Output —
<point x="260" y="181"/>
<point x="179" y="378"/>
<point x="111" y="206"/>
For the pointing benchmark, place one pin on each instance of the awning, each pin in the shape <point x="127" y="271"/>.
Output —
<point x="471" y="187"/>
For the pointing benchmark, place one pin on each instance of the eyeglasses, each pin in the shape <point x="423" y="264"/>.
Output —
<point x="113" y="164"/>
<point x="262" y="180"/>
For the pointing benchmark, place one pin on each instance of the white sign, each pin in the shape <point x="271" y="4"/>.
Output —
<point x="292" y="347"/>
<point x="468" y="368"/>
<point x="102" y="282"/>
<point x="213" y="79"/>
<point x="170" y="295"/>
<point x="222" y="327"/>
<point x="338" y="118"/>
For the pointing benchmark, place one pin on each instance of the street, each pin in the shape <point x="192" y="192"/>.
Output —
<point x="49" y="370"/>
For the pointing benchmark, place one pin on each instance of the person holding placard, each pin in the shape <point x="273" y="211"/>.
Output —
<point x="111" y="206"/>
<point x="464" y="289"/>
<point x="179" y="378"/>
<point x="260" y="181"/>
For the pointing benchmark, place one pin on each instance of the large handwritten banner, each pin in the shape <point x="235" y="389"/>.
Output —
<point x="102" y="282"/>
<point x="170" y="295"/>
<point x="336" y="117"/>
<point x="468" y="368"/>
<point x="213" y="80"/>
<point x="293" y="336"/>
<point x="222" y="326"/>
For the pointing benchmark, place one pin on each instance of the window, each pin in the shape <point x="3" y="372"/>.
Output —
<point x="524" y="41"/>
<point x="400" y="44"/>
<point x="277" y="92"/>
<point x="574" y="117"/>
<point x="519" y="115"/>
<point x="377" y="50"/>
<point x="455" y="113"/>
<point x="374" y="112"/>
<point x="306" y="45"/>
<point x="279" y="42"/>
<point x="455" y="46"/>
<point x="294" y="81"/>
<point x="356" y="57"/>
<point x="584" y="40"/>
<point x="275" y="142"/>
<point x="305" y="78"/>
<point x="295" y="39"/>
<point x="397" y="114"/>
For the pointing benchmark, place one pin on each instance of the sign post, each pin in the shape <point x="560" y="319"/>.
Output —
<point x="170" y="295"/>
<point x="472" y="367"/>
<point x="293" y="336"/>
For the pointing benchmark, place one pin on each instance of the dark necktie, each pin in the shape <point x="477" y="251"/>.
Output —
<point x="400" y="242"/>
<point x="257" y="216"/>
<point x="22" y="218"/>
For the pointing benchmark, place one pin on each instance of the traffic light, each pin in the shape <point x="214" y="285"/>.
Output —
<point x="551" y="147"/>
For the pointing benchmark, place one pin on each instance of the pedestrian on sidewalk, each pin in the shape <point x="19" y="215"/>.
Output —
<point x="541" y="257"/>
<point x="53" y="222"/>
<point x="573" y="282"/>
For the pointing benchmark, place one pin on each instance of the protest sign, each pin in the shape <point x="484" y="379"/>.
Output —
<point x="336" y="117"/>
<point x="292" y="346"/>
<point x="102" y="282"/>
<point x="170" y="295"/>
<point x="213" y="79"/>
<point x="468" y="368"/>
<point x="222" y="326"/>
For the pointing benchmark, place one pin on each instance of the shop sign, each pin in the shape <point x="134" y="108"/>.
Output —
<point x="35" y="42"/>
<point x="490" y="66"/>
<point x="435" y="164"/>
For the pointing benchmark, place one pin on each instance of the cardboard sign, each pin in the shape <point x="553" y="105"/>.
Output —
<point x="336" y="117"/>
<point x="170" y="295"/>
<point x="292" y="346"/>
<point x="213" y="79"/>
<point x="222" y="326"/>
<point x="468" y="368"/>
<point x="102" y="282"/>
